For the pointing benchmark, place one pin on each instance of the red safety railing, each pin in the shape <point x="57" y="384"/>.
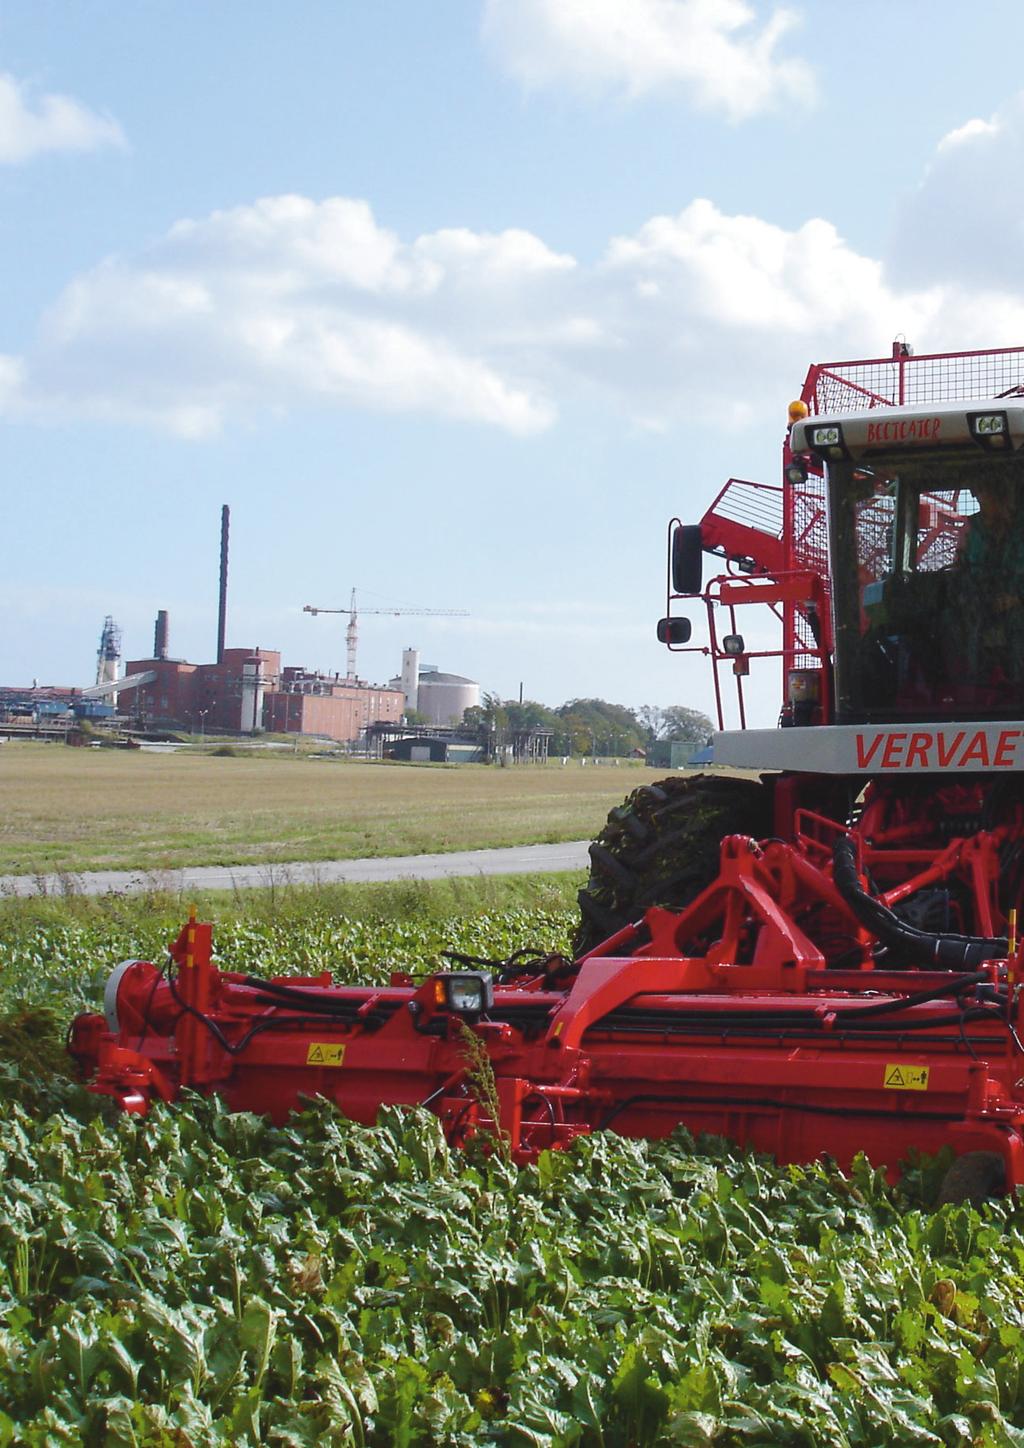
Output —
<point x="905" y="380"/>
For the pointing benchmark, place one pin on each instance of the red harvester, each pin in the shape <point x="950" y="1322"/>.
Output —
<point x="822" y="959"/>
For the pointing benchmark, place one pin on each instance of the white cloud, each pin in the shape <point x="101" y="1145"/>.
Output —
<point x="11" y="374"/>
<point x="29" y="126"/>
<point x="718" y="315"/>
<point x="714" y="51"/>
<point x="969" y="131"/>
<point x="963" y="225"/>
<point x="291" y="304"/>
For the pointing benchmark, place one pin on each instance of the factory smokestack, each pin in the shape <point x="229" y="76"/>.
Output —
<point x="160" y="635"/>
<point x="222" y="614"/>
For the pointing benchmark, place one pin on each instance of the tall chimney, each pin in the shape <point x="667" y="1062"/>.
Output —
<point x="160" y="635"/>
<point x="222" y="614"/>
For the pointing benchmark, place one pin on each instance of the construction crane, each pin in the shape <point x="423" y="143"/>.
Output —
<point x="351" y="633"/>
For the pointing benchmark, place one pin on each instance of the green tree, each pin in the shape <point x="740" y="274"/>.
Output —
<point x="676" y="722"/>
<point x="594" y="726"/>
<point x="490" y="714"/>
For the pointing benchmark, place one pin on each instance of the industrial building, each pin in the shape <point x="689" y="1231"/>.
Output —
<point x="422" y="749"/>
<point x="439" y="698"/>
<point x="248" y="691"/>
<point x="307" y="703"/>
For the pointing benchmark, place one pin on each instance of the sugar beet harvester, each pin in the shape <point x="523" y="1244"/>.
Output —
<point x="822" y="959"/>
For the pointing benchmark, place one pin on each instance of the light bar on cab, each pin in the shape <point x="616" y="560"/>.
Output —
<point x="995" y="424"/>
<point x="991" y="429"/>
<point x="827" y="440"/>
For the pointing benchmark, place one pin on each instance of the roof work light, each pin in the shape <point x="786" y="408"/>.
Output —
<point x="989" y="428"/>
<point x="827" y="441"/>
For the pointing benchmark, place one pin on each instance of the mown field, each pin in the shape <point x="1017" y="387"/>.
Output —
<point x="67" y="810"/>
<point x="194" y="1278"/>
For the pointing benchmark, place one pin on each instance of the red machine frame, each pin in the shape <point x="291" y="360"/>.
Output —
<point x="764" y="1035"/>
<point x="773" y="1009"/>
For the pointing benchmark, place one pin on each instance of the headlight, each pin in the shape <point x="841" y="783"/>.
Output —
<point x="827" y="441"/>
<point x="467" y="992"/>
<point x="989" y="428"/>
<point x="826" y="436"/>
<point x="733" y="645"/>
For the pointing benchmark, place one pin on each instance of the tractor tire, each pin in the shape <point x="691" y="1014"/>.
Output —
<point x="662" y="848"/>
<point x="975" y="1177"/>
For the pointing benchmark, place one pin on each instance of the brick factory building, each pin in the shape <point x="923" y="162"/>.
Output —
<point x="249" y="692"/>
<point x="307" y="703"/>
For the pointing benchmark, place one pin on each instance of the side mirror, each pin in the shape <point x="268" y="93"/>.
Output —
<point x="687" y="560"/>
<point x="674" y="630"/>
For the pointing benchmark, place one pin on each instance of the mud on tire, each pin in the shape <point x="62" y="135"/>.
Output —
<point x="662" y="848"/>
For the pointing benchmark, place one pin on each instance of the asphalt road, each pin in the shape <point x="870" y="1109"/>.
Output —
<point x="516" y="860"/>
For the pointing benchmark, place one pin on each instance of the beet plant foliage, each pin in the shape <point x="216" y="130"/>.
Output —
<point x="200" y="1278"/>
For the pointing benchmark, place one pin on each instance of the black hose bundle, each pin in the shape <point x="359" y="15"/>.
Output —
<point x="943" y="952"/>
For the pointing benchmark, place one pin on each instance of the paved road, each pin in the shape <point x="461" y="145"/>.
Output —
<point x="517" y="860"/>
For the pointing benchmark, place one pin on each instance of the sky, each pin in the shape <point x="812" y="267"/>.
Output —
<point x="458" y="302"/>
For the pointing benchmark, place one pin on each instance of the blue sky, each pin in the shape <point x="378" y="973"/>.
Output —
<point x="457" y="303"/>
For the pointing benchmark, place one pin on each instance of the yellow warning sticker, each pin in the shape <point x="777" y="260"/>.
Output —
<point x="906" y="1078"/>
<point x="325" y="1053"/>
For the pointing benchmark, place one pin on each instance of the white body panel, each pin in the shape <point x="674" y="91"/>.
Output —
<point x="883" y="429"/>
<point x="941" y="748"/>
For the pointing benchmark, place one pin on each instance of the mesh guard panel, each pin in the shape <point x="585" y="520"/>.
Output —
<point x="833" y="387"/>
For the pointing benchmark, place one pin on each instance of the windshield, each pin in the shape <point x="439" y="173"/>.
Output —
<point x="928" y="587"/>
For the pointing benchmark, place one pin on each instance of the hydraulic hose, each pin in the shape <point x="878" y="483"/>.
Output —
<point x="944" y="952"/>
<point x="294" y="998"/>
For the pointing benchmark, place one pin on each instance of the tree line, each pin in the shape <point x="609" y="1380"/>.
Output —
<point x="591" y="726"/>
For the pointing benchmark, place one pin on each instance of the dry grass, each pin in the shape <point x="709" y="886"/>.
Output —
<point x="68" y="810"/>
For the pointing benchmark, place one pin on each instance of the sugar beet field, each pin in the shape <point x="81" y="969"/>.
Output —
<point x="197" y="1278"/>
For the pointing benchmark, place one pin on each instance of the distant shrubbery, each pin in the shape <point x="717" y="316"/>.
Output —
<point x="592" y="726"/>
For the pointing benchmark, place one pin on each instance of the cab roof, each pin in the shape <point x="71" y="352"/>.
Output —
<point x="995" y="424"/>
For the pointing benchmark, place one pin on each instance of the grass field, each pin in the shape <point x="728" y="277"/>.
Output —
<point x="68" y="810"/>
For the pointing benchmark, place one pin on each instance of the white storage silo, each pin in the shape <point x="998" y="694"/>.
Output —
<point x="443" y="698"/>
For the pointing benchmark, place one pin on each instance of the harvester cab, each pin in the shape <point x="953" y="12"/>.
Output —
<point x="927" y="552"/>
<point x="815" y="950"/>
<point x="893" y="555"/>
